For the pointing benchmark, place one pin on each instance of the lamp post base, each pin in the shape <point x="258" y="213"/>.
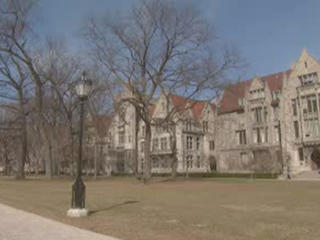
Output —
<point x="77" y="212"/>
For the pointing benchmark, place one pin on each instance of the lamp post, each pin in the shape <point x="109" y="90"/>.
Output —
<point x="78" y="188"/>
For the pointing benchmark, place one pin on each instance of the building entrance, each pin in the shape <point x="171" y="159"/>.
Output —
<point x="315" y="157"/>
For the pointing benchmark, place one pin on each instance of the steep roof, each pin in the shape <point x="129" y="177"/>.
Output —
<point x="101" y="123"/>
<point x="183" y="104"/>
<point x="229" y="101"/>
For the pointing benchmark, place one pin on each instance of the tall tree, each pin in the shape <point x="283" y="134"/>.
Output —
<point x="16" y="40"/>
<point x="158" y="46"/>
<point x="14" y="86"/>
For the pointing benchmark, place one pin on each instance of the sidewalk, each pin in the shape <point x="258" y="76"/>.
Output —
<point x="19" y="225"/>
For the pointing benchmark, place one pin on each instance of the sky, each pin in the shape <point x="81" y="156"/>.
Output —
<point x="268" y="34"/>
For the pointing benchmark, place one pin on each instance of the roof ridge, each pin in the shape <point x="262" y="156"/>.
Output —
<point x="229" y="101"/>
<point x="261" y="77"/>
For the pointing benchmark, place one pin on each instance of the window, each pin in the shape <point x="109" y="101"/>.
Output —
<point x="300" y="151"/>
<point x="275" y="113"/>
<point x="189" y="161"/>
<point x="198" y="143"/>
<point x="189" y="142"/>
<point x="142" y="164"/>
<point x="304" y="105"/>
<point x="121" y="135"/>
<point x="205" y="126"/>
<point x="198" y="162"/>
<point x="277" y="133"/>
<point x="296" y="128"/>
<point x="260" y="135"/>
<point x="142" y="147"/>
<point x="143" y="131"/>
<point x="171" y="142"/>
<point x="275" y="95"/>
<point x="188" y="125"/>
<point x="163" y="143"/>
<point x="266" y="135"/>
<point x="312" y="127"/>
<point x="164" y="163"/>
<point x="155" y="144"/>
<point x="155" y="162"/>
<point x="240" y="102"/>
<point x="294" y="107"/>
<point x="242" y="140"/>
<point x="129" y="138"/>
<point x="211" y="145"/>
<point x="308" y="79"/>
<point x="122" y="115"/>
<point x="257" y="114"/>
<point x="309" y="104"/>
<point x="265" y="114"/>
<point x="257" y="135"/>
<point x="257" y="93"/>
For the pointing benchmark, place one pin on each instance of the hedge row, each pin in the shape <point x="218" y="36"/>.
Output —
<point x="213" y="175"/>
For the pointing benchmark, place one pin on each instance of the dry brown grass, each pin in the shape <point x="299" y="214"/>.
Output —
<point x="195" y="209"/>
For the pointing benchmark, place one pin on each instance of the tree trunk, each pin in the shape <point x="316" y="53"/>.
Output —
<point x="71" y="164"/>
<point x="95" y="161"/>
<point x="24" y="150"/>
<point x="136" y="135"/>
<point x="174" y="161"/>
<point x="48" y="161"/>
<point x="147" y="160"/>
<point x="43" y="134"/>
<point x="24" y="146"/>
<point x="6" y="160"/>
<point x="100" y="158"/>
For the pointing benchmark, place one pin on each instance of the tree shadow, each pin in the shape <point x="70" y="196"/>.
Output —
<point x="92" y="212"/>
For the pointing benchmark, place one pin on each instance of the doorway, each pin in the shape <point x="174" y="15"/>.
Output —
<point x="315" y="157"/>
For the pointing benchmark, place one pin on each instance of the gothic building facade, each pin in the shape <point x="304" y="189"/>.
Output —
<point x="265" y="124"/>
<point x="271" y="123"/>
<point x="191" y="127"/>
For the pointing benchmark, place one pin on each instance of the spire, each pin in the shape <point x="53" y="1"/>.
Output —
<point x="304" y="50"/>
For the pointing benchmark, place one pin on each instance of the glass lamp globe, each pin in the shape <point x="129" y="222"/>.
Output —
<point x="84" y="86"/>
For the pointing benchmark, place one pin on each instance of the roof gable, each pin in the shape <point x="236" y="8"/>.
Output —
<point x="256" y="83"/>
<point x="184" y="105"/>
<point x="229" y="101"/>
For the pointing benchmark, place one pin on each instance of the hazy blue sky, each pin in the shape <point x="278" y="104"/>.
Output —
<point x="268" y="33"/>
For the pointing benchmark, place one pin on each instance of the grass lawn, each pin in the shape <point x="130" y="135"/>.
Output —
<point x="194" y="209"/>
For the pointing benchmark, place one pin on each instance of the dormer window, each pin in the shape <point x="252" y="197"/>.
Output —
<point x="188" y="125"/>
<point x="257" y="93"/>
<point x="309" y="79"/>
<point x="240" y="102"/>
<point x="275" y="95"/>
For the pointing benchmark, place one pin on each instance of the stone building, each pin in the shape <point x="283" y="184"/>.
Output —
<point x="271" y="123"/>
<point x="191" y="126"/>
<point x="97" y="144"/>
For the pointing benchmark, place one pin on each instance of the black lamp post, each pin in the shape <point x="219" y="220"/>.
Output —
<point x="78" y="188"/>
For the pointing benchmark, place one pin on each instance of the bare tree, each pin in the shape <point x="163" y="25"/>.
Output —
<point x="159" y="46"/>
<point x="16" y="40"/>
<point x="14" y="86"/>
<point x="61" y="71"/>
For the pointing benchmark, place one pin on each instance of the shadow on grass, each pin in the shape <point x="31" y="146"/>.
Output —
<point x="92" y="212"/>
